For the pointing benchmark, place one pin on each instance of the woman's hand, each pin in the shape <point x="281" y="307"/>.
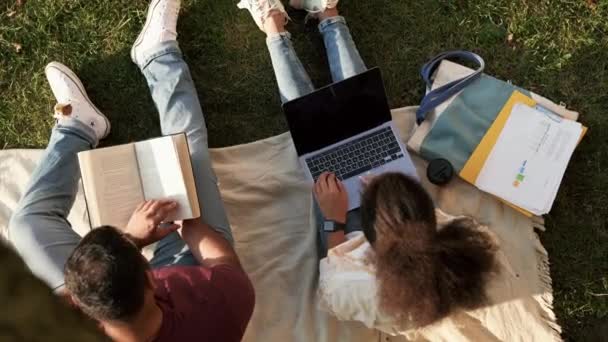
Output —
<point x="332" y="197"/>
<point x="143" y="227"/>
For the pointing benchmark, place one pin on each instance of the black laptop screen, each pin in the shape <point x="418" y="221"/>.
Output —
<point x="338" y="112"/>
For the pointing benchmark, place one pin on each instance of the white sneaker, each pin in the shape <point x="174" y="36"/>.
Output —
<point x="73" y="101"/>
<point x="262" y="9"/>
<point x="313" y="6"/>
<point x="160" y="26"/>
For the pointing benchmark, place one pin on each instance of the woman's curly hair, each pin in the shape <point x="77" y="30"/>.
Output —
<point x="424" y="273"/>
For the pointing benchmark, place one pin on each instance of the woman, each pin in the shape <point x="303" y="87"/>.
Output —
<point x="411" y="266"/>
<point x="422" y="273"/>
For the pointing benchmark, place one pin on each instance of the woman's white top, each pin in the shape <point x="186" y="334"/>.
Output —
<point x="348" y="287"/>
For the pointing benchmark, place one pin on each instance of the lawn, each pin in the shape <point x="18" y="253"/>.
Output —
<point x="556" y="48"/>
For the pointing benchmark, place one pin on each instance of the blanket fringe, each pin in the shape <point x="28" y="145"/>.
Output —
<point x="546" y="298"/>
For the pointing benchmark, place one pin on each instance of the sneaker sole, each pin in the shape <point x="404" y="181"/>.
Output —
<point x="260" y="25"/>
<point x="70" y="74"/>
<point x="299" y="5"/>
<point x="140" y="37"/>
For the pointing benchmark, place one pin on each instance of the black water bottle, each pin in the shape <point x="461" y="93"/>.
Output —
<point x="440" y="171"/>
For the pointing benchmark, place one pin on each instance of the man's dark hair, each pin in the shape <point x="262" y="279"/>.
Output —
<point x="106" y="274"/>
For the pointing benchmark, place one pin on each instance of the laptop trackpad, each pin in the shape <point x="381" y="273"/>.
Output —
<point x="354" y="187"/>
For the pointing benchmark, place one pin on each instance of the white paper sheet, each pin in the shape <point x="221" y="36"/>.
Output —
<point x="528" y="162"/>
<point x="161" y="175"/>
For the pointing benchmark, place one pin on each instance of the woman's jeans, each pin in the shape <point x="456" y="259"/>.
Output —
<point x="294" y="82"/>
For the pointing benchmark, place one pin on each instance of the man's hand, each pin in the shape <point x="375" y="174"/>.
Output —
<point x="332" y="197"/>
<point x="143" y="227"/>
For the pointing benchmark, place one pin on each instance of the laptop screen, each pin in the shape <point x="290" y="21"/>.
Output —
<point x="337" y="112"/>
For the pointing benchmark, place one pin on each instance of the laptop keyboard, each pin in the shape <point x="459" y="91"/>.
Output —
<point x="357" y="156"/>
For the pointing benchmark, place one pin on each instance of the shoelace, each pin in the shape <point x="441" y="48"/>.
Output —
<point x="174" y="9"/>
<point x="264" y="7"/>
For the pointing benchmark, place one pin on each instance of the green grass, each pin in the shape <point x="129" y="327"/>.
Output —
<point x="556" y="48"/>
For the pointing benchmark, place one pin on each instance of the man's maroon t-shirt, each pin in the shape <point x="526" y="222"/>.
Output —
<point x="203" y="304"/>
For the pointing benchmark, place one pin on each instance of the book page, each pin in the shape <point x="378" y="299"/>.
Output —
<point x="112" y="186"/>
<point x="528" y="162"/>
<point x="161" y="174"/>
<point x="183" y="152"/>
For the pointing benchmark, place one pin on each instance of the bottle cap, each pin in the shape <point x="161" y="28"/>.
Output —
<point x="440" y="171"/>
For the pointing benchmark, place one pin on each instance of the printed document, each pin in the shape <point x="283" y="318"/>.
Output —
<point x="529" y="160"/>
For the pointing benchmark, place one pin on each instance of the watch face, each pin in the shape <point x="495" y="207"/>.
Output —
<point x="329" y="226"/>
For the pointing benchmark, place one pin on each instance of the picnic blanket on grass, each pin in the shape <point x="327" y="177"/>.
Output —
<point x="269" y="205"/>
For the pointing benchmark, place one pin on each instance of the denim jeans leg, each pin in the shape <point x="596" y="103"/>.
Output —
<point x="342" y="54"/>
<point x="39" y="228"/>
<point x="176" y="99"/>
<point x="291" y="76"/>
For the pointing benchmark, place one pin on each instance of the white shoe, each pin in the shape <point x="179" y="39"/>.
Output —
<point x="73" y="102"/>
<point x="313" y="6"/>
<point x="262" y="9"/>
<point x="160" y="26"/>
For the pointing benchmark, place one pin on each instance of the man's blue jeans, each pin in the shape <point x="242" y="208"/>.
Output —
<point x="344" y="62"/>
<point x="39" y="228"/>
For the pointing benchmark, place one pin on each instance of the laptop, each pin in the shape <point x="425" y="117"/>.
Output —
<point x="346" y="128"/>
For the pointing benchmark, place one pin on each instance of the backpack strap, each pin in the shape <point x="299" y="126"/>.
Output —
<point x="443" y="93"/>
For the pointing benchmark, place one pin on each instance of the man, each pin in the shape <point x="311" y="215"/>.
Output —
<point x="194" y="288"/>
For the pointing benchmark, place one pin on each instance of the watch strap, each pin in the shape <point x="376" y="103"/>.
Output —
<point x="339" y="226"/>
<point x="333" y="226"/>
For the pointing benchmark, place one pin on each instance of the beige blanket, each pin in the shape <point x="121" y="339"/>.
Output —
<point x="269" y="205"/>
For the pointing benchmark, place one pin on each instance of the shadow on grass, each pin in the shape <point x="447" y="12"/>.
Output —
<point x="576" y="236"/>
<point x="117" y="87"/>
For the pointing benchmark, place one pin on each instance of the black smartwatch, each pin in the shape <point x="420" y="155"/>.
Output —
<point x="333" y="226"/>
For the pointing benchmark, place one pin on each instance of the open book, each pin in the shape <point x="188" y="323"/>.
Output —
<point x="117" y="179"/>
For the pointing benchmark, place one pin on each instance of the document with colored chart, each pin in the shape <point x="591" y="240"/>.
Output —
<point x="527" y="163"/>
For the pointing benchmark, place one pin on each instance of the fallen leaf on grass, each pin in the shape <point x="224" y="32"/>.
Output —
<point x="18" y="47"/>
<point x="511" y="41"/>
